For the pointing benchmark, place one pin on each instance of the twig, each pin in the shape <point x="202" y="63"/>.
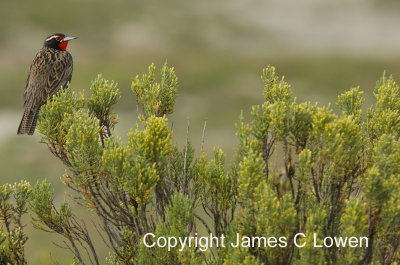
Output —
<point x="202" y="135"/>
<point x="185" y="160"/>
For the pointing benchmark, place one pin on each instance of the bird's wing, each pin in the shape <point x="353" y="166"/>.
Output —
<point x="35" y="87"/>
<point x="60" y="74"/>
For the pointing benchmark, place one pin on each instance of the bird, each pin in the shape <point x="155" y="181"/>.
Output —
<point x="50" y="71"/>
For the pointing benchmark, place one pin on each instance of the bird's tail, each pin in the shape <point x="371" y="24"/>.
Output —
<point x="28" y="122"/>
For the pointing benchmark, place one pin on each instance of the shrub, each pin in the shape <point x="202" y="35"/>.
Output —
<point x="339" y="177"/>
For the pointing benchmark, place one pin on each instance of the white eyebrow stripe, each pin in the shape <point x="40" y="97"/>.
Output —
<point x="52" y="37"/>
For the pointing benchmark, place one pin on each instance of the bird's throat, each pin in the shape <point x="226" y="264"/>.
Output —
<point x="63" y="45"/>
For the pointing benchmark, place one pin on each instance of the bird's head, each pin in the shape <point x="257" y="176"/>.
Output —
<point x="58" y="41"/>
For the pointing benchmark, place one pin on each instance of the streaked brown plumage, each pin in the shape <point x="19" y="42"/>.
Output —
<point x="50" y="70"/>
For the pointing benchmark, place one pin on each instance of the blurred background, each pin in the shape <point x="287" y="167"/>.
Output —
<point x="218" y="49"/>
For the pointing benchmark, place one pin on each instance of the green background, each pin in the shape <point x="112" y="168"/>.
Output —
<point x="218" y="49"/>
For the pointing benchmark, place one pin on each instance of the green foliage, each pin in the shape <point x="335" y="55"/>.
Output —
<point x="53" y="113"/>
<point x="251" y="174"/>
<point x="13" y="205"/>
<point x="316" y="221"/>
<point x="82" y="142"/>
<point x="154" y="142"/>
<point x="350" y="103"/>
<point x="103" y="96"/>
<point x="180" y="216"/>
<point x="354" y="222"/>
<point x="276" y="90"/>
<point x="218" y="196"/>
<point x="384" y="117"/>
<point x="156" y="98"/>
<point x="131" y="173"/>
<point x="48" y="217"/>
<point x="327" y="190"/>
<point x="301" y="174"/>
<point x="380" y="182"/>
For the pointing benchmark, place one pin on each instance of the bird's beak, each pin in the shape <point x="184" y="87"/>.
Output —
<point x="68" y="38"/>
